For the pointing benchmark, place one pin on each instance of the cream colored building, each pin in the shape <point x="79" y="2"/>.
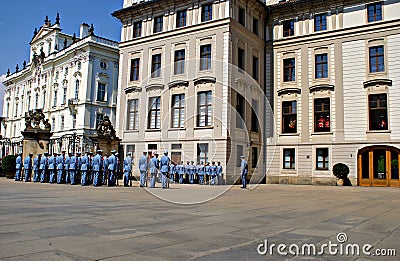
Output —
<point x="336" y="77"/>
<point x="73" y="79"/>
<point x="179" y="85"/>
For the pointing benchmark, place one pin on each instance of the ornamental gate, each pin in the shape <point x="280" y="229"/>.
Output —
<point x="72" y="143"/>
<point x="9" y="147"/>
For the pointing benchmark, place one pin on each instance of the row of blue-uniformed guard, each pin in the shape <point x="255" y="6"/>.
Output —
<point x="101" y="170"/>
<point x="74" y="169"/>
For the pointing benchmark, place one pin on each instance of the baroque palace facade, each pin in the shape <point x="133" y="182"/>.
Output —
<point x="74" y="80"/>
<point x="192" y="81"/>
<point x="336" y="77"/>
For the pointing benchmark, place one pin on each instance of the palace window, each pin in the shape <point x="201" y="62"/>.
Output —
<point x="53" y="124"/>
<point x="289" y="158"/>
<point x="242" y="16"/>
<point x="99" y="119"/>
<point x="156" y="66"/>
<point x="254" y="118"/>
<point x="239" y="152"/>
<point x="289" y="70"/>
<point x="64" y="100"/>
<point x="322" y="121"/>
<point x="255" y="68"/>
<point x="321" y="66"/>
<point x="101" y="91"/>
<point x="29" y="104"/>
<point x="319" y="22"/>
<point x="255" y="26"/>
<point x="206" y="13"/>
<point x="62" y="123"/>
<point x="179" y="65"/>
<point x="55" y="98"/>
<point x="378" y="114"/>
<point x="181" y="19"/>
<point x="241" y="59"/>
<point x="322" y="159"/>
<point x="137" y="29"/>
<point x="135" y="63"/>
<point x="376" y="59"/>
<point x="205" y="57"/>
<point x="202" y="152"/>
<point x="16" y="110"/>
<point x="133" y="114"/>
<point x="77" y="89"/>
<point x="44" y="100"/>
<point x="288" y="28"/>
<point x="154" y="113"/>
<point x="289" y="117"/>
<point x="204" y="109"/>
<point x="158" y="24"/>
<point x="240" y="111"/>
<point x="178" y="111"/>
<point x="374" y="12"/>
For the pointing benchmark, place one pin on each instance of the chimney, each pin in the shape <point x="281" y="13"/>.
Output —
<point x="84" y="32"/>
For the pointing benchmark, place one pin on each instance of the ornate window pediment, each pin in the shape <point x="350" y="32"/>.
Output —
<point x="289" y="91"/>
<point x="204" y="79"/>
<point x="377" y="82"/>
<point x="322" y="87"/>
<point x="131" y="89"/>
<point x="178" y="84"/>
<point x="154" y="86"/>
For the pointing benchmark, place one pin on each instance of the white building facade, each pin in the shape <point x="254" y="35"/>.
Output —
<point x="73" y="79"/>
<point x="191" y="81"/>
<point x="336" y="74"/>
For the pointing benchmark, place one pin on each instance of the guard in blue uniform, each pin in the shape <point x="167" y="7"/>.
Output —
<point x="172" y="171"/>
<point x="52" y="167"/>
<point x="84" y="169"/>
<point x="77" y="178"/>
<point x="60" y="167"/>
<point x="191" y="172"/>
<point x="187" y="171"/>
<point x="154" y="165"/>
<point x="244" y="168"/>
<point x="143" y="169"/>
<point x="18" y="167"/>
<point x="200" y="173"/>
<point x="104" y="171"/>
<point x="219" y="173"/>
<point x="164" y="169"/>
<point x="67" y="159"/>
<point x="43" y="167"/>
<point x="96" y="167"/>
<point x="28" y="167"/>
<point x="127" y="168"/>
<point x="180" y="168"/>
<point x="213" y="172"/>
<point x="73" y="160"/>
<point x="207" y="171"/>
<point x="36" y="163"/>
<point x="111" y="166"/>
<point x="117" y="168"/>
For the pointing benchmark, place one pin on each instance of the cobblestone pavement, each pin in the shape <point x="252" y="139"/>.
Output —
<point x="63" y="222"/>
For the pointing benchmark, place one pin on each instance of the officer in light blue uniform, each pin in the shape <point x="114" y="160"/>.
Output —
<point x="191" y="172"/>
<point x="200" y="173"/>
<point x="60" y="167"/>
<point x="104" y="171"/>
<point x="117" y="168"/>
<point x="172" y="171"/>
<point x="111" y="166"/>
<point x="154" y="165"/>
<point x="143" y="168"/>
<point x="67" y="159"/>
<point x="43" y="167"/>
<point x="36" y="163"/>
<point x="180" y="169"/>
<point x="219" y="173"/>
<point x="207" y="171"/>
<point x="18" y="167"/>
<point x="213" y="173"/>
<point x="127" y="168"/>
<point x="52" y="167"/>
<point x="84" y="169"/>
<point x="28" y="167"/>
<point x="73" y="164"/>
<point x="96" y="167"/>
<point x="187" y="171"/>
<point x="164" y="168"/>
<point x="244" y="168"/>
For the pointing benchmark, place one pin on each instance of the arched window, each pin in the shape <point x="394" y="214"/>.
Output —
<point x="76" y="89"/>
